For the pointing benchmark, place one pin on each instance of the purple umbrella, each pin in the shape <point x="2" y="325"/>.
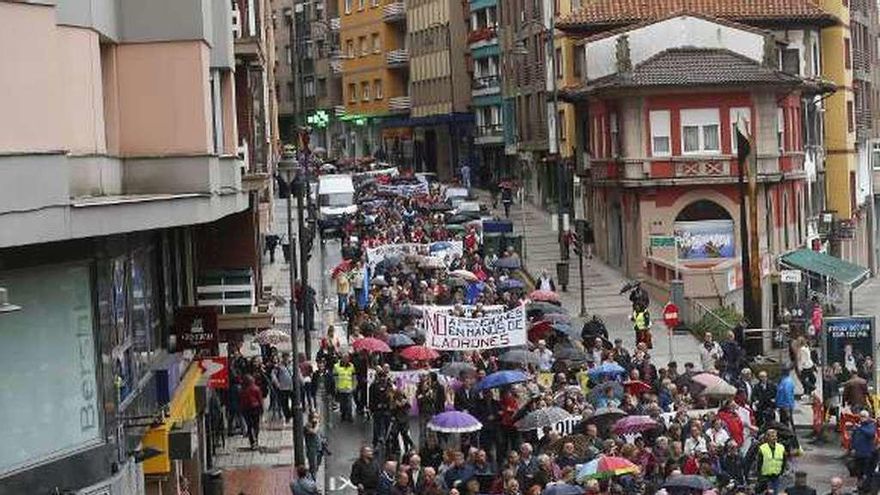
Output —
<point x="454" y="422"/>
<point x="633" y="424"/>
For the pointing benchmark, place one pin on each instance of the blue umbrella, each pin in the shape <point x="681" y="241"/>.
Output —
<point x="502" y="378"/>
<point x="562" y="489"/>
<point x="567" y="330"/>
<point x="510" y="284"/>
<point x="399" y="340"/>
<point x="509" y="263"/>
<point x="606" y="370"/>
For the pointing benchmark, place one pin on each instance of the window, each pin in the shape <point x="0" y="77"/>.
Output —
<point x="348" y="6"/>
<point x="308" y="87"/>
<point x="660" y="133"/>
<point x="580" y="57"/>
<point x="791" y="61"/>
<point x="561" y="119"/>
<point x="377" y="89"/>
<point x="850" y="117"/>
<point x="352" y="93"/>
<point x="365" y="91"/>
<point x="557" y="63"/>
<point x="374" y="3"/>
<point x="349" y="48"/>
<point x="736" y="114"/>
<point x="700" y="131"/>
<point x="322" y="87"/>
<point x="847" y="53"/>
<point x="362" y="4"/>
<point x="287" y="55"/>
<point x="377" y="44"/>
<point x="615" y="134"/>
<point x="816" y="65"/>
<point x="362" y="45"/>
<point x="780" y="129"/>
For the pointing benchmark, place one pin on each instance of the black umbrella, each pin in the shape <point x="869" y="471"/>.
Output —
<point x="568" y="353"/>
<point x="408" y="310"/>
<point x="688" y="482"/>
<point x="604" y="416"/>
<point x="441" y="207"/>
<point x="456" y="368"/>
<point x="545" y="308"/>
<point x="379" y="282"/>
<point x="519" y="356"/>
<point x="459" y="218"/>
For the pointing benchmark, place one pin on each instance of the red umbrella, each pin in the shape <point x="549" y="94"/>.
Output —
<point x="545" y="296"/>
<point x="633" y="424"/>
<point x="370" y="344"/>
<point x="419" y="353"/>
<point x="636" y="387"/>
<point x="539" y="330"/>
<point x="342" y="267"/>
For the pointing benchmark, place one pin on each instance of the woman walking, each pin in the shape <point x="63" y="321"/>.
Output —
<point x="251" y="399"/>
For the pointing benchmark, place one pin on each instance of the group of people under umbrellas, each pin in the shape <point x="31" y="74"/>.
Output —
<point x="571" y="413"/>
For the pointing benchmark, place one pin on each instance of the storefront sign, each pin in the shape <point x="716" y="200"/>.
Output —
<point x="848" y="339"/>
<point x="181" y="409"/>
<point x="453" y="333"/>
<point x="705" y="239"/>
<point x="790" y="276"/>
<point x="217" y="371"/>
<point x="196" y="328"/>
<point x="662" y="241"/>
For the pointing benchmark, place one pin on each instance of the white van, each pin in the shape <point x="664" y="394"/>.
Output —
<point x="335" y="201"/>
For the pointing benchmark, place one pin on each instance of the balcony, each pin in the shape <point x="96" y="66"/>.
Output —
<point x="336" y="67"/>
<point x="489" y="134"/>
<point x="399" y="104"/>
<point x="482" y="34"/>
<point x="394" y="12"/>
<point x="397" y="58"/>
<point x="335" y="24"/>
<point x="486" y="85"/>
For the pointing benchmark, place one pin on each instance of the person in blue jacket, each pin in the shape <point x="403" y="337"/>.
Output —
<point x="863" y="445"/>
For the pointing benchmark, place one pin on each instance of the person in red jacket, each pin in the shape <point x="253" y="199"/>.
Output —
<point x="251" y="399"/>
<point x="732" y="422"/>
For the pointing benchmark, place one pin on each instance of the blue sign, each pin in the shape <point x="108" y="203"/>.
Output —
<point x="705" y="239"/>
<point x="848" y="340"/>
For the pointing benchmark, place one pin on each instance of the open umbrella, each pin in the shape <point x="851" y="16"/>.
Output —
<point x="713" y="385"/>
<point x="458" y="218"/>
<point x="636" y="387"/>
<point x="601" y="390"/>
<point x="508" y="263"/>
<point x="440" y="207"/>
<point x="456" y="282"/>
<point x="519" y="356"/>
<point x="464" y="274"/>
<point x="557" y="318"/>
<point x="606" y="370"/>
<point x="344" y="266"/>
<point x="604" y="467"/>
<point x="502" y="378"/>
<point x="569" y="353"/>
<point x="544" y="296"/>
<point x="633" y="424"/>
<point x="454" y="422"/>
<point x="688" y="482"/>
<point x="568" y="391"/>
<point x="582" y="445"/>
<point x="539" y="331"/>
<point x="545" y="308"/>
<point x="604" y="416"/>
<point x="419" y="353"/>
<point x="562" y="489"/>
<point x="407" y="311"/>
<point x="510" y="284"/>
<point x="272" y="336"/>
<point x="456" y="368"/>
<point x="399" y="340"/>
<point x="370" y="344"/>
<point x="547" y="416"/>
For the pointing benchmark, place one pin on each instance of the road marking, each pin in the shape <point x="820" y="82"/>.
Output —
<point x="346" y="483"/>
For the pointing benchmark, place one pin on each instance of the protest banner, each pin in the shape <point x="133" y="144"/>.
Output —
<point x="408" y="382"/>
<point x="452" y="333"/>
<point x="565" y="427"/>
<point x="467" y="308"/>
<point x="403" y="190"/>
<point x="445" y="251"/>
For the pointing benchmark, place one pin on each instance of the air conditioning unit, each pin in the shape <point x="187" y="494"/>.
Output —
<point x="236" y="21"/>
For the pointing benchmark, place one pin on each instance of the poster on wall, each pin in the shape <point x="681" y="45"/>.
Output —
<point x="705" y="239"/>
<point x="848" y="340"/>
<point x="452" y="333"/>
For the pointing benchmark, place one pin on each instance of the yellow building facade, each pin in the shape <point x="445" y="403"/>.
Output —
<point x="840" y="135"/>
<point x="567" y="67"/>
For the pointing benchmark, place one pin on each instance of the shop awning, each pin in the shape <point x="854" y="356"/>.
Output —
<point x="827" y="266"/>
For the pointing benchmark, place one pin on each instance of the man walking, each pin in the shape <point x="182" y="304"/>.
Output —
<point x="771" y="461"/>
<point x="282" y="379"/>
<point x="863" y="445"/>
<point x="785" y="401"/>
<point x="343" y="373"/>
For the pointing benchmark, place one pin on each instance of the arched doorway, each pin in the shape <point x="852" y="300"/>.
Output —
<point x="705" y="230"/>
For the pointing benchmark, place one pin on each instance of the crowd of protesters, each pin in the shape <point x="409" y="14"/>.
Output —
<point x="715" y="426"/>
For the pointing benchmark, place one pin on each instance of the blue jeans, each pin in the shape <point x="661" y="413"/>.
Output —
<point x="341" y="304"/>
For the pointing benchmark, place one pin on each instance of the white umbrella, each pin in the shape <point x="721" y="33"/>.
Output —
<point x="272" y="336"/>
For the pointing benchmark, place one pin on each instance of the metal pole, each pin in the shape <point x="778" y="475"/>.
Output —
<point x="522" y="207"/>
<point x="298" y="457"/>
<point x="581" y="274"/>
<point x="304" y="261"/>
<point x="744" y="244"/>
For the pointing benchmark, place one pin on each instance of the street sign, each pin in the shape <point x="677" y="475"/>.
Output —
<point x="217" y="370"/>
<point x="790" y="276"/>
<point x="661" y="241"/>
<point x="670" y="315"/>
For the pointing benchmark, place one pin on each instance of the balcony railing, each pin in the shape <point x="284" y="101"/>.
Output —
<point x="399" y="104"/>
<point x="397" y="58"/>
<point x="394" y="12"/>
<point x="335" y="24"/>
<point x="490" y="130"/>
<point x="485" y="82"/>
<point x="481" y="34"/>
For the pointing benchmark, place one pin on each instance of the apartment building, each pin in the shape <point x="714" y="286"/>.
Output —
<point x="121" y="189"/>
<point x="375" y="69"/>
<point x="485" y="54"/>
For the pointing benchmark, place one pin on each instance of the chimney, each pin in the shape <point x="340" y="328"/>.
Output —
<point x="624" y="62"/>
<point x="771" y="53"/>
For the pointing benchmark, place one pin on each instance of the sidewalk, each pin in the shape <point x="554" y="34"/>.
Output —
<point x="601" y="287"/>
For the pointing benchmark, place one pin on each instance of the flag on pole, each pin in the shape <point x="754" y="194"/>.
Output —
<point x="743" y="146"/>
<point x="363" y="300"/>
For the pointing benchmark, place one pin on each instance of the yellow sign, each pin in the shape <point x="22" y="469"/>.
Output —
<point x="182" y="408"/>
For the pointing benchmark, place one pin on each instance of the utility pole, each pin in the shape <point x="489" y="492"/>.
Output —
<point x="748" y="226"/>
<point x="754" y="255"/>
<point x="304" y="245"/>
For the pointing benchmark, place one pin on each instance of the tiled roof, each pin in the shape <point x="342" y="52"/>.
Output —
<point x="689" y="67"/>
<point x="599" y="15"/>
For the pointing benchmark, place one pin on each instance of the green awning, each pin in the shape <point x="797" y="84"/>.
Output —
<point x="827" y="266"/>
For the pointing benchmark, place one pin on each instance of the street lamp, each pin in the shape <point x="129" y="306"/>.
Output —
<point x="5" y="305"/>
<point x="287" y="167"/>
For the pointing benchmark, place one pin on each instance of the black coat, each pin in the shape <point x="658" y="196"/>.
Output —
<point x="366" y="474"/>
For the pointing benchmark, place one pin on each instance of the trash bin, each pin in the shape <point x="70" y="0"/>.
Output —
<point x="562" y="274"/>
<point x="212" y="482"/>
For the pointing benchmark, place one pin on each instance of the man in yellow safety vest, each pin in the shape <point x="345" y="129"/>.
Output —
<point x="642" y="325"/>
<point x="771" y="461"/>
<point x="343" y="373"/>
